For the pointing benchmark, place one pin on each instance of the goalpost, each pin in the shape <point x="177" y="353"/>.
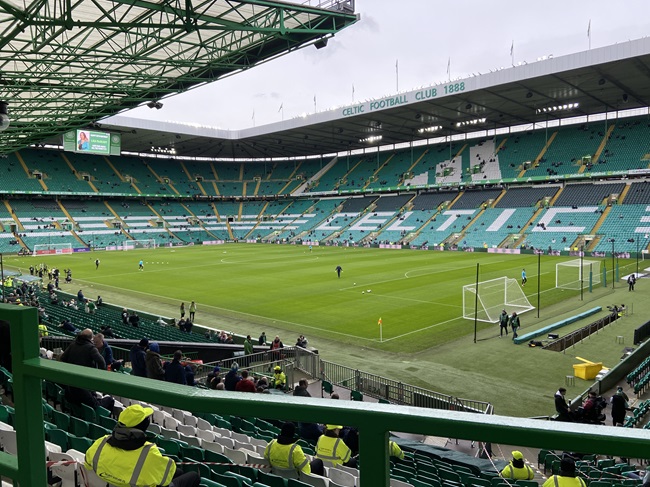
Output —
<point x="149" y="243"/>
<point x="493" y="296"/>
<point x="569" y="274"/>
<point x="52" y="249"/>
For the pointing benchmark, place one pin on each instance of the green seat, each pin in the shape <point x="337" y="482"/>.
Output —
<point x="78" y="427"/>
<point x="527" y="483"/>
<point x="541" y="456"/>
<point x="96" y="431"/>
<point x="241" y="478"/>
<point x="192" y="453"/>
<point x="327" y="387"/>
<point x="58" y="437"/>
<point x="214" y="457"/>
<point x="227" y="480"/>
<point x="296" y="483"/>
<point x="47" y="410"/>
<point x="201" y="468"/>
<point x="271" y="480"/>
<point x="481" y="482"/>
<point x="88" y="414"/>
<point x="206" y="482"/>
<point x="170" y="446"/>
<point x="101" y="411"/>
<point x="79" y="443"/>
<point x="356" y="396"/>
<point x="61" y="420"/>
<point x="107" y="422"/>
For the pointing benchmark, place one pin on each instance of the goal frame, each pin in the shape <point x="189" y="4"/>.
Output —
<point x="147" y="243"/>
<point x="512" y="298"/>
<point x="52" y="249"/>
<point x="583" y="268"/>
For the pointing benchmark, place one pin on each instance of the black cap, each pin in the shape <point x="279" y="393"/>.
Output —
<point x="288" y="430"/>
<point x="144" y="342"/>
<point x="568" y="466"/>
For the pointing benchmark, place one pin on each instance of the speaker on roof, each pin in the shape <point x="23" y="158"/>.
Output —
<point x="321" y="43"/>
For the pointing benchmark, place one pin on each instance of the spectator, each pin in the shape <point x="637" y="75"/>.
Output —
<point x="619" y="406"/>
<point x="332" y="451"/>
<point x="105" y="350"/>
<point x="248" y="346"/>
<point x="517" y="469"/>
<point x="82" y="352"/>
<point x="279" y="378"/>
<point x="245" y="384"/>
<point x="561" y="406"/>
<point x="276" y="348"/>
<point x="134" y="320"/>
<point x="566" y="477"/>
<point x="301" y="390"/>
<point x="114" y="456"/>
<point x="395" y="451"/>
<point x="154" y="363"/>
<point x="262" y="339"/>
<point x="190" y="372"/>
<point x="67" y="325"/>
<point x="174" y="370"/>
<point x="137" y="356"/>
<point x="232" y="377"/>
<point x="285" y="456"/>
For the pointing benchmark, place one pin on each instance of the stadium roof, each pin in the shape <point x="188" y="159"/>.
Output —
<point x="65" y="65"/>
<point x="600" y="80"/>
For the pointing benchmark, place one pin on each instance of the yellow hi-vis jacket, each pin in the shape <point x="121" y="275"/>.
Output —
<point x="395" y="450"/>
<point x="287" y="459"/>
<point x="514" y="473"/>
<point x="279" y="379"/>
<point x="559" y="481"/>
<point x="332" y="450"/>
<point x="127" y="468"/>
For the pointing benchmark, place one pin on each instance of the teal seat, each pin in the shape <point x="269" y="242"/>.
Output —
<point x="79" y="443"/>
<point x="356" y="396"/>
<point x="271" y="480"/>
<point x="88" y="414"/>
<point x="61" y="420"/>
<point x="326" y="387"/>
<point x="58" y="437"/>
<point x="78" y="427"/>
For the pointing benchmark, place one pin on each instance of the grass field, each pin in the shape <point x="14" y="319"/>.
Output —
<point x="417" y="294"/>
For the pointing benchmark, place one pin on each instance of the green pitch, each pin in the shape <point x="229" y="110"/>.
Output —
<point x="417" y="294"/>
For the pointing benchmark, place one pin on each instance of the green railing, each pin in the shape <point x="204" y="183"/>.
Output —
<point x="374" y="421"/>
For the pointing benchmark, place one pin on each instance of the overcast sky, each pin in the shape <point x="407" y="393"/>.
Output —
<point x="422" y="35"/>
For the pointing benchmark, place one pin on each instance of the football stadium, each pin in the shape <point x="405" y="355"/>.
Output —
<point x="441" y="260"/>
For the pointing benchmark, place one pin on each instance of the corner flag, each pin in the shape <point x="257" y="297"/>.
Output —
<point x="379" y="322"/>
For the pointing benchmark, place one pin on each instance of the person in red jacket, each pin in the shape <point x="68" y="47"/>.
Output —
<point x="245" y="384"/>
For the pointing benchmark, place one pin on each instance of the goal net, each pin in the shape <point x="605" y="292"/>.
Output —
<point x="568" y="275"/>
<point x="492" y="297"/>
<point x="52" y="249"/>
<point x="139" y="244"/>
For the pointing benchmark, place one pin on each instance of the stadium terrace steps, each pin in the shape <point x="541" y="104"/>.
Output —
<point x="601" y="147"/>
<point x="539" y="157"/>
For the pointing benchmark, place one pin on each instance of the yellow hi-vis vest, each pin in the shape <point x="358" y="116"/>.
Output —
<point x="332" y="450"/>
<point x="559" y="481"/>
<point x="127" y="468"/>
<point x="287" y="459"/>
<point x="395" y="450"/>
<point x="514" y="473"/>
